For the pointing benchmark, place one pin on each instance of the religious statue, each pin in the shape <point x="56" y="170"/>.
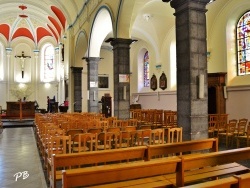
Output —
<point x="22" y="60"/>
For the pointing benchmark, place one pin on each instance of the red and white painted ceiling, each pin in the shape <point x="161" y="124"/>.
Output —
<point x="36" y="19"/>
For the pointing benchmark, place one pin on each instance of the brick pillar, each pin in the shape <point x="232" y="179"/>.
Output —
<point x="191" y="48"/>
<point x="121" y="50"/>
<point x="93" y="83"/>
<point x="77" y="74"/>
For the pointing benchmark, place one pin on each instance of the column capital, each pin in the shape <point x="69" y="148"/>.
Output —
<point x="89" y="59"/>
<point x="180" y="4"/>
<point x="8" y="50"/>
<point x="119" y="41"/>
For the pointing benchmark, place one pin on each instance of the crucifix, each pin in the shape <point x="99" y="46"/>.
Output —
<point x="22" y="59"/>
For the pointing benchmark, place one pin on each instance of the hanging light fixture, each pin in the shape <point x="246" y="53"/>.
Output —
<point x="22" y="7"/>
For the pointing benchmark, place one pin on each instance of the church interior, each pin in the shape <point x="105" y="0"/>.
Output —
<point x="117" y="57"/>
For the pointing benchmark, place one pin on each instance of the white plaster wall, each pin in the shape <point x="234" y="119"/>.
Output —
<point x="238" y="102"/>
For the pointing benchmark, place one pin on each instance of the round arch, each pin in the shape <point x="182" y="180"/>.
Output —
<point x="101" y="29"/>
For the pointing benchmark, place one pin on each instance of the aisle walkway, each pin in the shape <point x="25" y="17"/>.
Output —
<point x="20" y="164"/>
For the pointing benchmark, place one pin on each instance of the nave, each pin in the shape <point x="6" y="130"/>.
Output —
<point x="20" y="164"/>
<point x="19" y="154"/>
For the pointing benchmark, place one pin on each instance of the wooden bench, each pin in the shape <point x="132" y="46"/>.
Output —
<point x="244" y="180"/>
<point x="210" y="145"/>
<point x="227" y="182"/>
<point x="239" y="181"/>
<point x="164" y="149"/>
<point x="66" y="161"/>
<point x="198" y="167"/>
<point x="120" y="172"/>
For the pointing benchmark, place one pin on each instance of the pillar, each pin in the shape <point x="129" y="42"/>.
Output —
<point x="77" y="76"/>
<point x="191" y="48"/>
<point x="121" y="61"/>
<point x="8" y="55"/>
<point x="36" y="71"/>
<point x="92" y="80"/>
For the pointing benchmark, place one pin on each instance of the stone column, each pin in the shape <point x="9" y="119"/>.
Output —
<point x="92" y="80"/>
<point x="191" y="48"/>
<point x="121" y="48"/>
<point x="77" y="76"/>
<point x="8" y="54"/>
<point x="36" y="69"/>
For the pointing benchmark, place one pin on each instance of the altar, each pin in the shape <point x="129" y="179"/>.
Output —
<point x="21" y="110"/>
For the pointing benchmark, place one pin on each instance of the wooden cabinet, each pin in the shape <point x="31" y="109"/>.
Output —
<point x="216" y="99"/>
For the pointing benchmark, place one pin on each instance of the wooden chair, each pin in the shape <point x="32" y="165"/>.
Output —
<point x="221" y="125"/>
<point x="174" y="134"/>
<point x="212" y="124"/>
<point x="244" y="138"/>
<point x="125" y="139"/>
<point x="132" y="122"/>
<point x="113" y="129"/>
<point x="143" y="137"/>
<point x="95" y="130"/>
<point x="158" y="118"/>
<point x="73" y="132"/>
<point x="103" y="125"/>
<point x="170" y="119"/>
<point x="241" y="127"/>
<point x="85" y="142"/>
<point x="157" y="136"/>
<point x="229" y="134"/>
<point x="105" y="140"/>
<point x="117" y="123"/>
<point x="130" y="128"/>
<point x="137" y="114"/>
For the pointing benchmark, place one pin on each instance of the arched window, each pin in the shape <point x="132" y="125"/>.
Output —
<point x="243" y="44"/>
<point x="48" y="63"/>
<point x="146" y="69"/>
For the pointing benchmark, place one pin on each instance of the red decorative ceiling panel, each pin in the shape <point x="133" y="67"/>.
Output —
<point x="54" y="33"/>
<point x="5" y="30"/>
<point x="55" y="23"/>
<point x="42" y="32"/>
<point x="59" y="15"/>
<point x="22" y="32"/>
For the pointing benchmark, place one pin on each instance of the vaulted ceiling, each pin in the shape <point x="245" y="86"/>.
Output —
<point x="35" y="19"/>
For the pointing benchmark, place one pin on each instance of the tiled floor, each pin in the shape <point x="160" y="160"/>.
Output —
<point x="20" y="165"/>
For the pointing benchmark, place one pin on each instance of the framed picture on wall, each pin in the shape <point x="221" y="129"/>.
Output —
<point x="163" y="81"/>
<point x="153" y="82"/>
<point x="103" y="81"/>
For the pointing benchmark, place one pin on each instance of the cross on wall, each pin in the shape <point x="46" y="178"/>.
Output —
<point x="22" y="60"/>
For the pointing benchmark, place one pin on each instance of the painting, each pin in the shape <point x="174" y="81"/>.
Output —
<point x="103" y="81"/>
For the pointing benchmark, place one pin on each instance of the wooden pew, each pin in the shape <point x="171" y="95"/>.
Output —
<point x="210" y="145"/>
<point x="227" y="182"/>
<point x="244" y="180"/>
<point x="164" y="149"/>
<point x="66" y="161"/>
<point x="119" y="172"/>
<point x="210" y="165"/>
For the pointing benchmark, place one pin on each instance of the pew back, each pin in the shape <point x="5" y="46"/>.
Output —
<point x="226" y="158"/>
<point x="210" y="145"/>
<point x="67" y="161"/>
<point x="118" y="172"/>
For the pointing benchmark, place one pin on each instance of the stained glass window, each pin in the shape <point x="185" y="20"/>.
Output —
<point x="243" y="44"/>
<point x="49" y="69"/>
<point x="146" y="70"/>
